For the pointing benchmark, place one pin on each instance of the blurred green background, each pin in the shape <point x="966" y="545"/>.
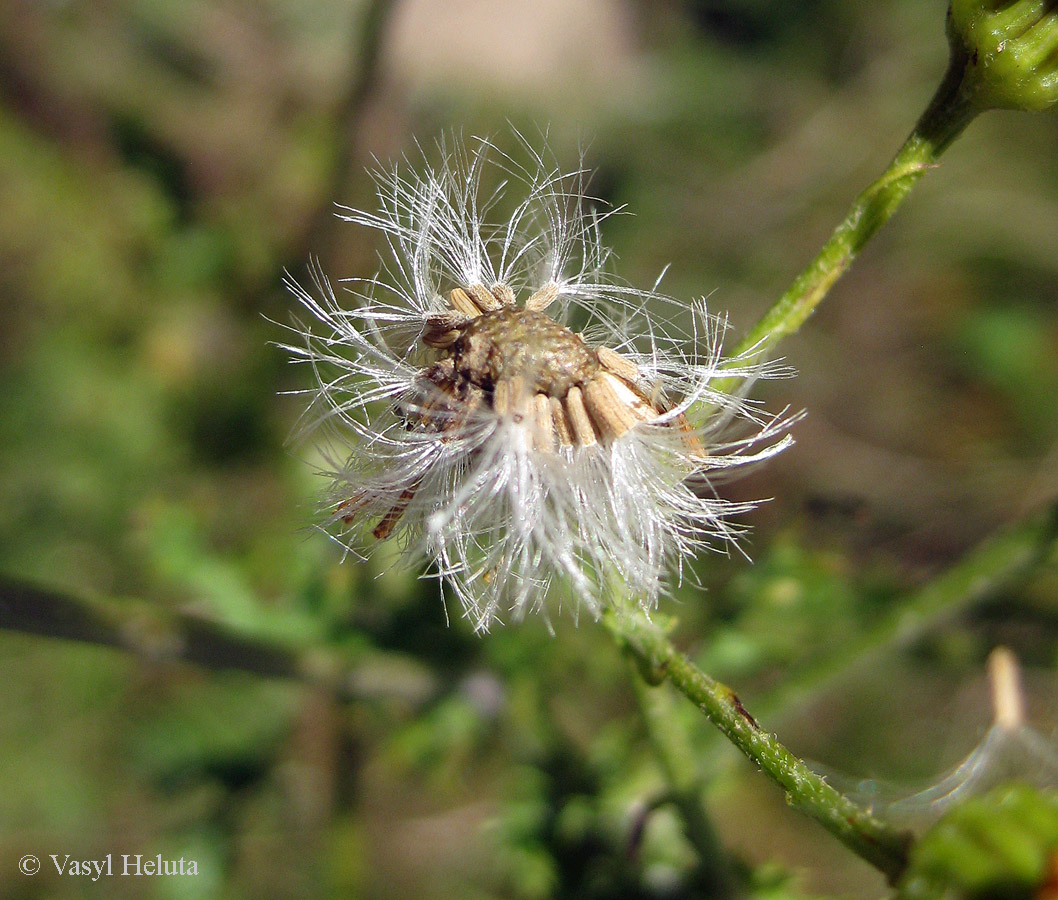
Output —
<point x="162" y="161"/>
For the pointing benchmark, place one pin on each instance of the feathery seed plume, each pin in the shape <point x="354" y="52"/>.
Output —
<point x="466" y="417"/>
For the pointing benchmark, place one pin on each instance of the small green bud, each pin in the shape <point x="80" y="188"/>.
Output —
<point x="1008" y="50"/>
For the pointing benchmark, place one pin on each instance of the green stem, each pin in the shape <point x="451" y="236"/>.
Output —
<point x="948" y="113"/>
<point x="686" y="787"/>
<point x="860" y="831"/>
<point x="1002" y="558"/>
<point x="370" y="33"/>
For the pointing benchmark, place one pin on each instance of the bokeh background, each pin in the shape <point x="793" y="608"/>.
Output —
<point x="163" y="161"/>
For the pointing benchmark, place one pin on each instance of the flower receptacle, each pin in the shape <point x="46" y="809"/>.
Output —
<point x="1007" y="52"/>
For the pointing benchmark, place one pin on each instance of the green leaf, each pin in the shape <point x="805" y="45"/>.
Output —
<point x="1001" y="845"/>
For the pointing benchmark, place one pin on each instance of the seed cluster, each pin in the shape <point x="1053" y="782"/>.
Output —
<point x="524" y="365"/>
<point x="526" y="368"/>
<point x="513" y="454"/>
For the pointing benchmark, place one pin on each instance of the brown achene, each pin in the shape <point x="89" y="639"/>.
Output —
<point x="523" y="364"/>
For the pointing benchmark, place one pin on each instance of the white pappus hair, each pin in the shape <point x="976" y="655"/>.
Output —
<point x="523" y="458"/>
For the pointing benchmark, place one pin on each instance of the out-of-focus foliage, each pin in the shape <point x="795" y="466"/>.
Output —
<point x="1004" y="844"/>
<point x="162" y="161"/>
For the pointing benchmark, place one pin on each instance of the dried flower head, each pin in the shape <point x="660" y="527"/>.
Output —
<point x="468" y="418"/>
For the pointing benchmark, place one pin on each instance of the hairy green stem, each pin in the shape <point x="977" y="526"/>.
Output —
<point x="860" y="831"/>
<point x="947" y="115"/>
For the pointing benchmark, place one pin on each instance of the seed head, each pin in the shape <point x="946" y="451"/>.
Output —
<point x="463" y="415"/>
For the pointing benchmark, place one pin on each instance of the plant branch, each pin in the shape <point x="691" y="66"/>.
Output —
<point x="160" y="635"/>
<point x="943" y="121"/>
<point x="368" y="38"/>
<point x="686" y="786"/>
<point x="1001" y="559"/>
<point x="857" y="828"/>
